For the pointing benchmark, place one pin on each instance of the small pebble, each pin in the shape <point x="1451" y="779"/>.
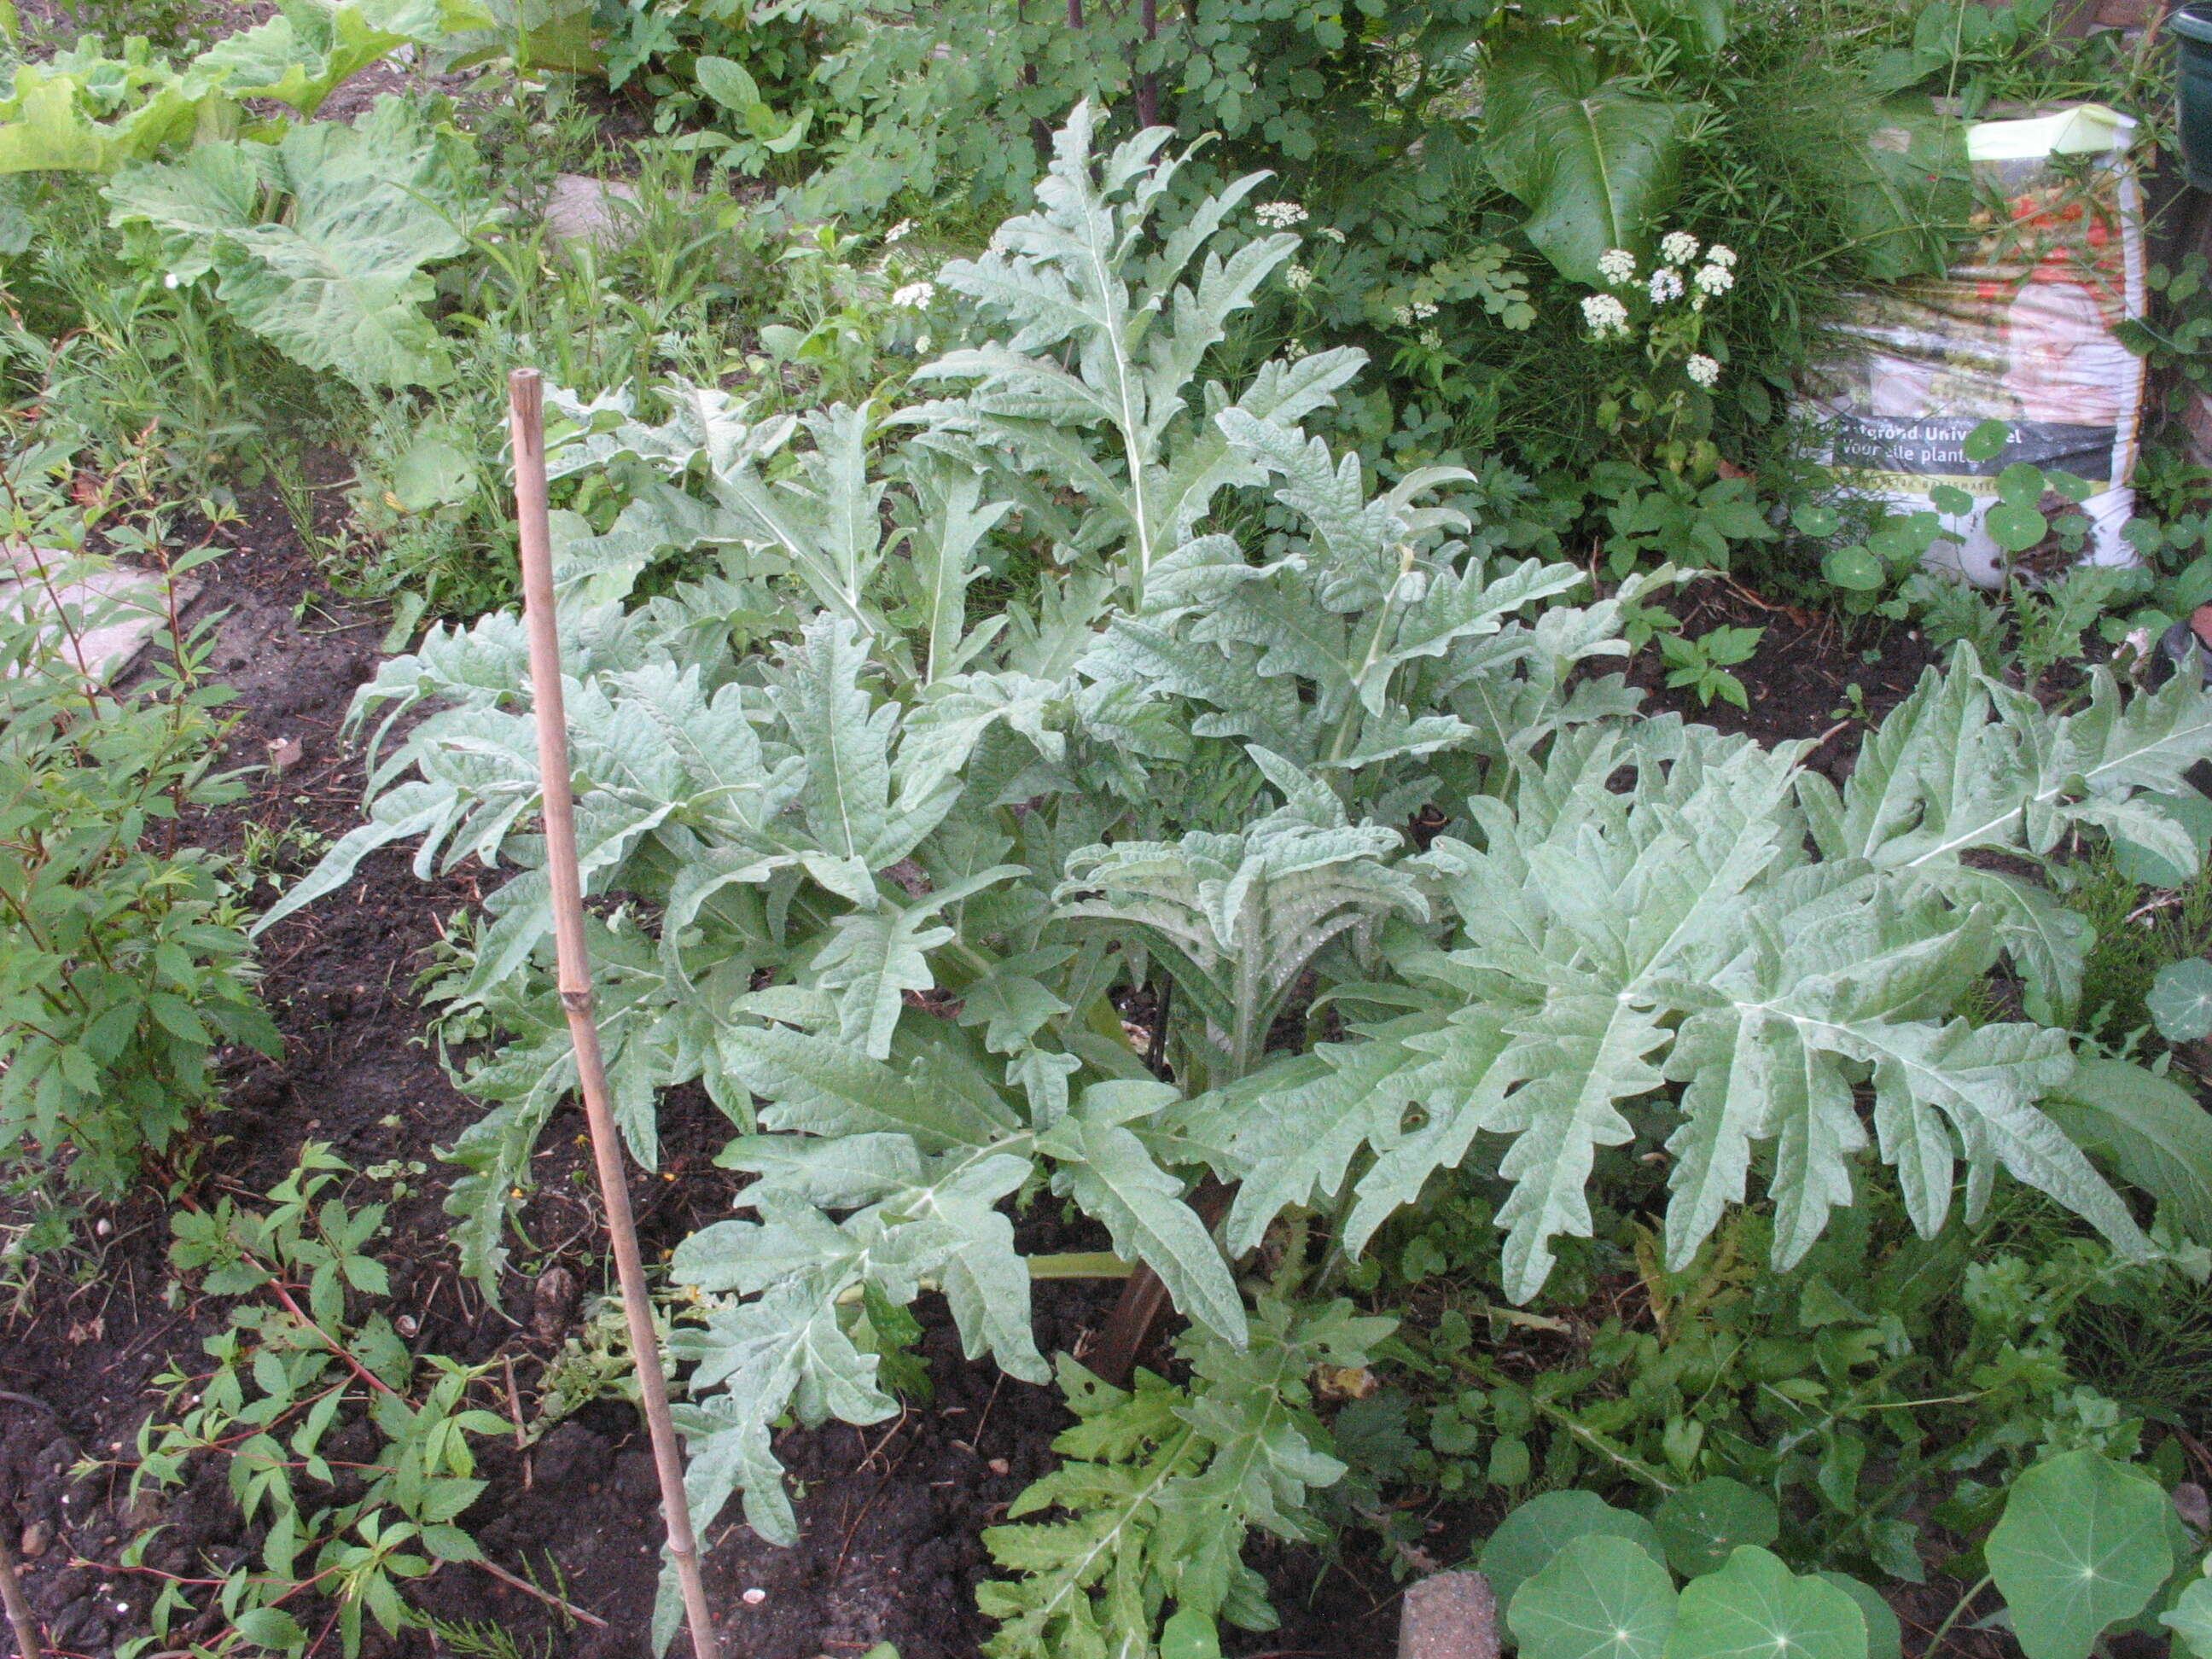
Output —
<point x="406" y="1324"/>
<point x="999" y="1465"/>
<point x="755" y="1597"/>
<point x="102" y="1227"/>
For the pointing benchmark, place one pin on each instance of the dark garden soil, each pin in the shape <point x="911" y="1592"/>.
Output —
<point x="891" y="1514"/>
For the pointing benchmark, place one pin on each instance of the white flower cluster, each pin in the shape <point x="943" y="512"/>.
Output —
<point x="915" y="294"/>
<point x="1665" y="284"/>
<point x="1617" y="265"/>
<point x="1297" y="278"/>
<point x="1279" y="215"/>
<point x="1714" y="279"/>
<point x="1294" y="351"/>
<point x="898" y="233"/>
<point x="1420" y="311"/>
<point x="1701" y="369"/>
<point x="1333" y="233"/>
<point x="1432" y="339"/>
<point x="1678" y="247"/>
<point x="1606" y="316"/>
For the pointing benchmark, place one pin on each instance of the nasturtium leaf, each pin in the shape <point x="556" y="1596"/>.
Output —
<point x="2016" y="528"/>
<point x="2181" y="999"/>
<point x="2191" y="1618"/>
<point x="2021" y="483"/>
<point x="1885" y="1636"/>
<point x="1854" y="569"/>
<point x="1539" y="1529"/>
<point x="1987" y="442"/>
<point x="1701" y="1525"/>
<point x="2074" y="487"/>
<point x="2081" y="1545"/>
<point x="1754" y="1607"/>
<point x="1816" y="521"/>
<point x="1600" y="1597"/>
<point x="1950" y="500"/>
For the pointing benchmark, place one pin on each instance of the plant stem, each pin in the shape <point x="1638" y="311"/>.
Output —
<point x="28" y="1645"/>
<point x="1943" y="1630"/>
<point x="526" y="407"/>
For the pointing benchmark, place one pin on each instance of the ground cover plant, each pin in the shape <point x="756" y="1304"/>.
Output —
<point x="1249" y="943"/>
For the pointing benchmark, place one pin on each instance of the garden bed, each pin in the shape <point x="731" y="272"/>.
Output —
<point x="890" y="1515"/>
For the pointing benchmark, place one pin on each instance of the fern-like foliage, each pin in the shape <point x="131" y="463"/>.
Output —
<point x="1162" y="1484"/>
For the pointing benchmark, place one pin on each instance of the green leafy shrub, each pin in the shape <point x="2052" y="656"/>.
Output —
<point x="126" y="963"/>
<point x="876" y="882"/>
<point x="294" y="1369"/>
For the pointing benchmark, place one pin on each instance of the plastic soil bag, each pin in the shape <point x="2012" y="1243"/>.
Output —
<point x="2020" y="332"/>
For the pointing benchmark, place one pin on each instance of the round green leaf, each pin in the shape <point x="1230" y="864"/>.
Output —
<point x="1819" y="522"/>
<point x="2074" y="487"/>
<point x="1189" y="1635"/>
<point x="2020" y="484"/>
<point x="1987" y="442"/>
<point x="2081" y="1545"/>
<point x="1854" y="569"/>
<point x="1702" y="1525"/>
<point x="2180" y="1001"/>
<point x="2191" y="1619"/>
<point x="1754" y="1607"/>
<point x="2016" y="528"/>
<point x="1885" y="1636"/>
<point x="1599" y="1598"/>
<point x="1530" y="1537"/>
<point x="1951" y="501"/>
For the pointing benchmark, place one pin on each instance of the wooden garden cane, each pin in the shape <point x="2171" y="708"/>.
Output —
<point x="28" y="1645"/>
<point x="526" y="410"/>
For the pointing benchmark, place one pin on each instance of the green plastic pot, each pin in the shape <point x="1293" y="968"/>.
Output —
<point x="2192" y="24"/>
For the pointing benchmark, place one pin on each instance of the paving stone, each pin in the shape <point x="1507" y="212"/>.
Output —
<point x="1449" y="1616"/>
<point x="125" y="607"/>
<point x="582" y="210"/>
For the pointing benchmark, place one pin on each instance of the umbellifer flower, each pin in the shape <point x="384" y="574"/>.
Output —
<point x="1701" y="369"/>
<point x="1617" y="265"/>
<point x="1433" y="339"/>
<point x="1298" y="278"/>
<point x="1714" y="279"/>
<point x="897" y="231"/>
<point x="1606" y="315"/>
<point x="916" y="295"/>
<point x="1720" y="255"/>
<point x="1422" y="310"/>
<point x="1665" y="284"/>
<point x="1281" y="215"/>
<point x="1678" y="247"/>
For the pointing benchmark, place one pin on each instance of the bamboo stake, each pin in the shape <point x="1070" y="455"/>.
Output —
<point x="28" y="1645"/>
<point x="526" y="410"/>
